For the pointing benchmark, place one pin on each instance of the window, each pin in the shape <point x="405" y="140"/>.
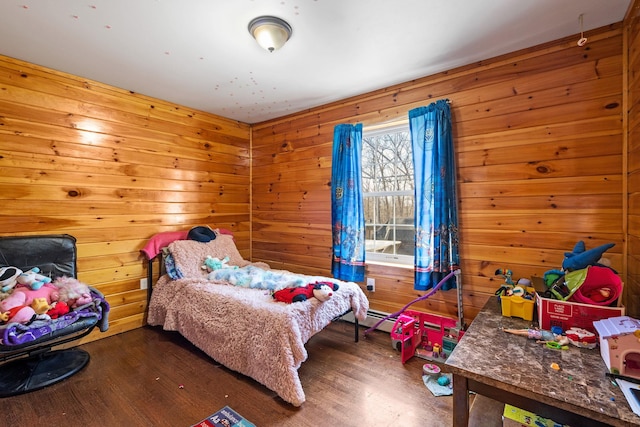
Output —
<point x="388" y="193"/>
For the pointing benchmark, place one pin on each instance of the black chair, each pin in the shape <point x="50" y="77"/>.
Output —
<point x="29" y="363"/>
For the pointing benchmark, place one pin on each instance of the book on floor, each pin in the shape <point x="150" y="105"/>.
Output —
<point x="225" y="417"/>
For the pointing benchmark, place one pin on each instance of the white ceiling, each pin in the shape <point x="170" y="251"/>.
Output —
<point x="198" y="53"/>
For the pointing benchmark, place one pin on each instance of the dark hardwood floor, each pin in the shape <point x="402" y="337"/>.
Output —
<point x="149" y="377"/>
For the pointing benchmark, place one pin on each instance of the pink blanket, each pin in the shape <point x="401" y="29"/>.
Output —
<point x="246" y="330"/>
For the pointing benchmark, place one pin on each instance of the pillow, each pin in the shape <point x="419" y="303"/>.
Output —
<point x="189" y="255"/>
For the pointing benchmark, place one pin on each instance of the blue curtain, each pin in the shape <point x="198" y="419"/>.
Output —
<point x="347" y="208"/>
<point x="436" y="212"/>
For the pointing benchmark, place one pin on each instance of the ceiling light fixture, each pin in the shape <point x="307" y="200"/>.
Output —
<point x="270" y="32"/>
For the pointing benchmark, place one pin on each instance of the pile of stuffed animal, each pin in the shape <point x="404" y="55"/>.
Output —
<point x="284" y="287"/>
<point x="585" y="277"/>
<point x="28" y="295"/>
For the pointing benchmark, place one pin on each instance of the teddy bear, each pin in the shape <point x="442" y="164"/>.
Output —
<point x="9" y="278"/>
<point x="321" y="290"/>
<point x="33" y="278"/>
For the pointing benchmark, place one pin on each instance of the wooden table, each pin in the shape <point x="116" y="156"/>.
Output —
<point x="516" y="370"/>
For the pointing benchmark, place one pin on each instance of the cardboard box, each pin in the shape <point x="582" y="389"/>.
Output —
<point x="517" y="306"/>
<point x="516" y="417"/>
<point x="565" y="314"/>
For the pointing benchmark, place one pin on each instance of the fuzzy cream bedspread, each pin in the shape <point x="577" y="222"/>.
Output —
<point x="246" y="330"/>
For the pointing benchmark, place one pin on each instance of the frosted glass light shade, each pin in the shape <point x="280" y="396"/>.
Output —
<point x="270" y="32"/>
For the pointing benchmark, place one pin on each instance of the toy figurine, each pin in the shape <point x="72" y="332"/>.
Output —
<point x="533" y="334"/>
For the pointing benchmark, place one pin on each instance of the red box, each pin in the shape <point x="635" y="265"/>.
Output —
<point x="567" y="314"/>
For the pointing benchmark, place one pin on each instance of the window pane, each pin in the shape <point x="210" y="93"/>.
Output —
<point x="387" y="179"/>
<point x="389" y="222"/>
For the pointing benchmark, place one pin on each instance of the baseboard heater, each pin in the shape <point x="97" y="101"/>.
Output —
<point x="373" y="317"/>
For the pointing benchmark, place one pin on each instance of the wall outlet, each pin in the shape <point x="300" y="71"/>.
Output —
<point x="143" y="283"/>
<point x="371" y="284"/>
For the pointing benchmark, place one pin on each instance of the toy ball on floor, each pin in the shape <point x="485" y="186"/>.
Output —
<point x="444" y="381"/>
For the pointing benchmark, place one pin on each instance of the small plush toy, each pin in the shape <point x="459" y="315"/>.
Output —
<point x="581" y="258"/>
<point x="33" y="278"/>
<point x="9" y="278"/>
<point x="213" y="264"/>
<point x="72" y="291"/>
<point x="40" y="305"/>
<point x="58" y="308"/>
<point x="321" y="290"/>
<point x="21" y="314"/>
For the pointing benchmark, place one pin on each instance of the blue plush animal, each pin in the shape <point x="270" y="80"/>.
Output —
<point x="581" y="258"/>
<point x="212" y="264"/>
<point x="254" y="277"/>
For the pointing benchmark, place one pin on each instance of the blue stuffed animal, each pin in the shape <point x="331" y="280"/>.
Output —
<point x="212" y="264"/>
<point x="581" y="258"/>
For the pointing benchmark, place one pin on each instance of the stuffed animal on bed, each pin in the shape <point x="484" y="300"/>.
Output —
<point x="33" y="278"/>
<point x="321" y="290"/>
<point x="213" y="264"/>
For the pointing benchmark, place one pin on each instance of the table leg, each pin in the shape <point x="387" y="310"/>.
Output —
<point x="460" y="401"/>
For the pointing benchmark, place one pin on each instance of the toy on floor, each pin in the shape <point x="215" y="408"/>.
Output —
<point x="424" y="335"/>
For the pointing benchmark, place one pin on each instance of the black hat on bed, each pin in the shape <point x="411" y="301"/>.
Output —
<point x="201" y="234"/>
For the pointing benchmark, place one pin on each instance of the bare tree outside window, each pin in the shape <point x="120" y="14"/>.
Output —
<point x="388" y="191"/>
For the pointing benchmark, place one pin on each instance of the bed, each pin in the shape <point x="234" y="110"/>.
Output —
<point x="236" y="320"/>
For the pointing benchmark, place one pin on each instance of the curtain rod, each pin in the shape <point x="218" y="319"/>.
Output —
<point x="392" y="123"/>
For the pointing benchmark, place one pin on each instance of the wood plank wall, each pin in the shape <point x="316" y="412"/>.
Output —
<point x="632" y="80"/>
<point x="113" y="168"/>
<point x="539" y="143"/>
